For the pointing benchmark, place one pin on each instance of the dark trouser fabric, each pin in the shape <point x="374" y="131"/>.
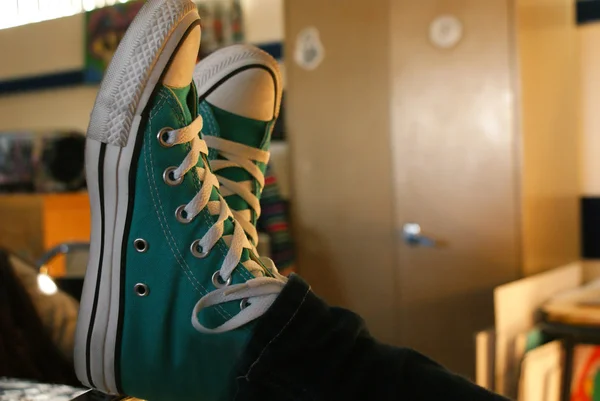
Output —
<point x="302" y="349"/>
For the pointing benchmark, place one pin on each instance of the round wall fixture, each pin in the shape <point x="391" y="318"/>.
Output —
<point x="446" y="31"/>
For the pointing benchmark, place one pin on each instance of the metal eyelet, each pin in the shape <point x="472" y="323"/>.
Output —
<point x="141" y="290"/>
<point x="163" y="137"/>
<point x="168" y="177"/>
<point x="244" y="303"/>
<point x="140" y="245"/>
<point x="218" y="280"/>
<point x="197" y="250"/>
<point x="181" y="215"/>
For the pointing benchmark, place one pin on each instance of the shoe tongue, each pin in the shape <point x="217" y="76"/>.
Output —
<point x="238" y="129"/>
<point x="181" y="94"/>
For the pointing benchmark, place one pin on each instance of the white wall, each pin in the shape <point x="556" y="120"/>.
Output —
<point x="67" y="108"/>
<point x="590" y="113"/>
<point x="58" y="45"/>
<point x="42" y="48"/>
<point x="264" y="20"/>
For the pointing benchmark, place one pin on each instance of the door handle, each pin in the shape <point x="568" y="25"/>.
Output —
<point x="413" y="236"/>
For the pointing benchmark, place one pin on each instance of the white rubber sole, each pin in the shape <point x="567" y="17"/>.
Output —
<point x="144" y="53"/>
<point x="222" y="64"/>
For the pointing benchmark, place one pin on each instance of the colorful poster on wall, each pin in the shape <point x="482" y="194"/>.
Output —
<point x="222" y="24"/>
<point x="104" y="30"/>
<point x="221" y="21"/>
<point x="586" y="373"/>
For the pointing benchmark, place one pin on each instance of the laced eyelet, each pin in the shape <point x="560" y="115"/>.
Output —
<point x="218" y="280"/>
<point x="197" y="250"/>
<point x="244" y="303"/>
<point x="181" y="215"/>
<point x="163" y="137"/>
<point x="169" y="179"/>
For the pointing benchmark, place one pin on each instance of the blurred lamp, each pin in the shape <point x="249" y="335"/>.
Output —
<point x="45" y="283"/>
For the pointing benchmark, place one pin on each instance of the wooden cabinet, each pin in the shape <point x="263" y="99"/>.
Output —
<point x="32" y="224"/>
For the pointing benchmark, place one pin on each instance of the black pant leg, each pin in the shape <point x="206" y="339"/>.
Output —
<point x="304" y="350"/>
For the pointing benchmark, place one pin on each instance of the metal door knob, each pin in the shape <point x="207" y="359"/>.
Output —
<point x="413" y="236"/>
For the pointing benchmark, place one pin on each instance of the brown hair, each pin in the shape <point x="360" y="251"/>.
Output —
<point x="26" y="349"/>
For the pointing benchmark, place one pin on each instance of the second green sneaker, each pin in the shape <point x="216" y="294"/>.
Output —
<point x="172" y="288"/>
<point x="240" y="90"/>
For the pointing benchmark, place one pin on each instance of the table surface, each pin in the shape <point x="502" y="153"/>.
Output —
<point x="22" y="390"/>
<point x="584" y="333"/>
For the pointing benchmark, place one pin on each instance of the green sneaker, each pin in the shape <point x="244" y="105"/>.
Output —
<point x="240" y="91"/>
<point x="172" y="288"/>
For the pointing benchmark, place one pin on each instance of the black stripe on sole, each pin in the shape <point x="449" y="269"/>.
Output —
<point x="100" y="261"/>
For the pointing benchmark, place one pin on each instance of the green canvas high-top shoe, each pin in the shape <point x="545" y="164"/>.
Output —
<point x="172" y="287"/>
<point x="240" y="90"/>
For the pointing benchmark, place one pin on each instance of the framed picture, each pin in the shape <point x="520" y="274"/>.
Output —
<point x="104" y="29"/>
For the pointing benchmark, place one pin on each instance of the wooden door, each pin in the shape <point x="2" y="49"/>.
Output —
<point x="390" y="130"/>
<point x="456" y="159"/>
<point x="338" y="118"/>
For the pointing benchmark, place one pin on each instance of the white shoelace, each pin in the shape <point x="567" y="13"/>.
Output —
<point x="256" y="295"/>
<point x="241" y="156"/>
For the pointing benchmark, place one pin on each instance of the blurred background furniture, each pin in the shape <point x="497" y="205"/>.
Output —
<point x="34" y="223"/>
<point x="459" y="119"/>
<point x="545" y="343"/>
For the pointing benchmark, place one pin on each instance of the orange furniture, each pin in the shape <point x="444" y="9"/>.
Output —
<point x="30" y="224"/>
